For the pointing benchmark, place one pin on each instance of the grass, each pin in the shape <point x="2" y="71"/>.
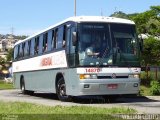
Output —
<point x="145" y="90"/>
<point x="4" y="86"/>
<point x="32" y="111"/>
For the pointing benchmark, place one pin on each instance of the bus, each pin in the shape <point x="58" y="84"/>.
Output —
<point x="80" y="56"/>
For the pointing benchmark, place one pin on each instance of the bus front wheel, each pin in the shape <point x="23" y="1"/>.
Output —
<point x="61" y="91"/>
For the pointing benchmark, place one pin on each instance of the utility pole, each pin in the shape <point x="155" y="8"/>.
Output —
<point x="75" y="7"/>
<point x="12" y="31"/>
<point x="101" y="12"/>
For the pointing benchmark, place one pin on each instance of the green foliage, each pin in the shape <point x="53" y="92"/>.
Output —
<point x="120" y="14"/>
<point x="145" y="80"/>
<point x="145" y="90"/>
<point x="151" y="51"/>
<point x="148" y="21"/>
<point x="155" y="88"/>
<point x="9" y="55"/>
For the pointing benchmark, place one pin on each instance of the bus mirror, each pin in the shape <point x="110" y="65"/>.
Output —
<point x="74" y="38"/>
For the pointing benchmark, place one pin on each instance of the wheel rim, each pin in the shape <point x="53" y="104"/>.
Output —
<point x="22" y="87"/>
<point x="62" y="90"/>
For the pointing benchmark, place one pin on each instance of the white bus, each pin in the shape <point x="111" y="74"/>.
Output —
<point x="84" y="55"/>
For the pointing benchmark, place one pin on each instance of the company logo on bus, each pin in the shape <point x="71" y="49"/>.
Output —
<point x="46" y="61"/>
<point x="113" y="76"/>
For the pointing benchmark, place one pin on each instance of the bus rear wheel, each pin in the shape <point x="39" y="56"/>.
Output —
<point x="61" y="91"/>
<point x="23" y="89"/>
<point x="22" y="85"/>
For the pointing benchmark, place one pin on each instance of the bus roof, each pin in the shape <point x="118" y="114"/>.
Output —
<point x="79" y="19"/>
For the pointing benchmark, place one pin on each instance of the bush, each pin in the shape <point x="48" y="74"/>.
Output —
<point x="144" y="80"/>
<point x="155" y="88"/>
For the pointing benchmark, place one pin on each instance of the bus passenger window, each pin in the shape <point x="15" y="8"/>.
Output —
<point x="36" y="49"/>
<point x="28" y="48"/>
<point x="56" y="38"/>
<point x="32" y="47"/>
<point x="64" y="37"/>
<point x="16" y="53"/>
<point x="52" y="43"/>
<point x="45" y="38"/>
<point x="21" y="51"/>
<point x="49" y="43"/>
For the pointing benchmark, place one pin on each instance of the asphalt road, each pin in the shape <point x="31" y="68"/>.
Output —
<point x="148" y="105"/>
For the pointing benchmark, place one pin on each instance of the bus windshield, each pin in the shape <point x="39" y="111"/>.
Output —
<point x="108" y="44"/>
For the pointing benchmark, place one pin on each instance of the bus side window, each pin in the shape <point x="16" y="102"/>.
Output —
<point x="72" y="48"/>
<point x="60" y="37"/>
<point x="23" y="48"/>
<point x="36" y="48"/>
<point x="64" y="37"/>
<point x="29" y="47"/>
<point x="49" y="43"/>
<point x="16" y="53"/>
<point x="21" y="51"/>
<point x="56" y="38"/>
<point x="52" y="43"/>
<point x="32" y="47"/>
<point x="40" y="44"/>
<point x="45" y="39"/>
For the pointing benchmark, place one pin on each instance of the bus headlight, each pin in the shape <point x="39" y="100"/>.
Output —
<point x="134" y="76"/>
<point x="88" y="76"/>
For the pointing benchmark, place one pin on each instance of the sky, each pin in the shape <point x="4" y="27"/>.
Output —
<point x="25" y="17"/>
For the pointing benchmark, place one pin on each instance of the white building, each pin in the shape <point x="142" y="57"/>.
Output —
<point x="6" y="44"/>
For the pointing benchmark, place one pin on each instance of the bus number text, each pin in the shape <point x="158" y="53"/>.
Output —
<point x="92" y="70"/>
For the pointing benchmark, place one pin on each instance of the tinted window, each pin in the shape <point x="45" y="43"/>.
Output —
<point x="45" y="40"/>
<point x="49" y="40"/>
<point x="32" y="47"/>
<point x="15" y="52"/>
<point x="40" y="44"/>
<point x="21" y="51"/>
<point x="55" y="38"/>
<point x="60" y="37"/>
<point x="36" y="45"/>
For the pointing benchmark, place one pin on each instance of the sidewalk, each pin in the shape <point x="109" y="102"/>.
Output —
<point x="154" y="97"/>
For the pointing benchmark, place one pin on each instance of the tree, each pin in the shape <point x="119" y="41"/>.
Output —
<point x="148" y="21"/>
<point x="9" y="55"/>
<point x="119" y="14"/>
<point x="151" y="52"/>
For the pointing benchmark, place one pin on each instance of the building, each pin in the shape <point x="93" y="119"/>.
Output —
<point x="6" y="44"/>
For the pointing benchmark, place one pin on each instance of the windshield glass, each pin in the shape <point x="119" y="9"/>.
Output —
<point x="107" y="44"/>
<point x="94" y="44"/>
<point x="124" y="44"/>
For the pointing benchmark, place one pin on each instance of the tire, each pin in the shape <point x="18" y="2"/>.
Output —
<point x="23" y="89"/>
<point x="61" y="91"/>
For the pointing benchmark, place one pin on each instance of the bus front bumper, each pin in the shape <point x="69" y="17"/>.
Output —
<point x="109" y="88"/>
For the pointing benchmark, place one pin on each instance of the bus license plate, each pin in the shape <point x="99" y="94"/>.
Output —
<point x="112" y="86"/>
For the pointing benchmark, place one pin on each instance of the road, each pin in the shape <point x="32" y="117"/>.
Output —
<point x="148" y="105"/>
